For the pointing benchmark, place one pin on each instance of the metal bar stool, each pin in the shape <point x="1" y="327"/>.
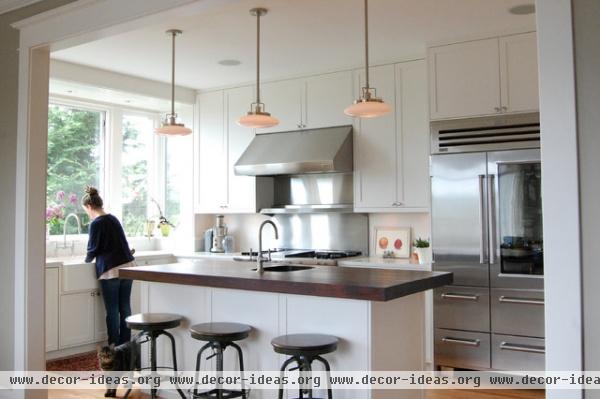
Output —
<point x="303" y="349"/>
<point x="153" y="325"/>
<point x="219" y="336"/>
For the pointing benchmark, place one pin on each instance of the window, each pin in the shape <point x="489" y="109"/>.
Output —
<point x="136" y="155"/>
<point x="176" y="173"/>
<point x="75" y="159"/>
<point x="116" y="150"/>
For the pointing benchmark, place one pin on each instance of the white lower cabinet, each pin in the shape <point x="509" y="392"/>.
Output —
<point x="100" y="330"/>
<point x="75" y="313"/>
<point x="77" y="319"/>
<point x="52" y="306"/>
<point x="391" y="152"/>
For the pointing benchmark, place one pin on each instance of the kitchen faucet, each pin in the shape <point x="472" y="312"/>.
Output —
<point x="259" y="258"/>
<point x="70" y="215"/>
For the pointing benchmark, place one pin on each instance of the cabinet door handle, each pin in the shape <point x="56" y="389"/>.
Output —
<point x="497" y="109"/>
<point x="98" y="293"/>
<point x="491" y="188"/>
<point x="504" y="108"/>
<point x="522" y="348"/>
<point x="522" y="301"/>
<point x="464" y="297"/>
<point x="92" y="293"/>
<point x="299" y="126"/>
<point x="459" y="341"/>
<point x="482" y="222"/>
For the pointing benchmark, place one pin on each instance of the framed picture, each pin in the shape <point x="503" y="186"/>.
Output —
<point x="393" y="242"/>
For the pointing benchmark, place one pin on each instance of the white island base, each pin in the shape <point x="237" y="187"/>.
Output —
<point x="382" y="336"/>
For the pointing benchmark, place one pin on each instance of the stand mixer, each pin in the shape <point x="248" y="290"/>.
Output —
<point x="219" y="233"/>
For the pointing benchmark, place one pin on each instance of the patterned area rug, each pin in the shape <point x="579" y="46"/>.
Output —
<point x="82" y="362"/>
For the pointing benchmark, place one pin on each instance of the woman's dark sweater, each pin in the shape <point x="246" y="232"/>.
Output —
<point x="107" y="243"/>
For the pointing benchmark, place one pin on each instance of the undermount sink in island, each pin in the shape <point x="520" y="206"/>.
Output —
<point x="378" y="314"/>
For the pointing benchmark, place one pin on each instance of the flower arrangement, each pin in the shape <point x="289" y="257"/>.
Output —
<point x="55" y="212"/>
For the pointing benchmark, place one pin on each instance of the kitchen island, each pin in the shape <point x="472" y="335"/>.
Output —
<point x="377" y="314"/>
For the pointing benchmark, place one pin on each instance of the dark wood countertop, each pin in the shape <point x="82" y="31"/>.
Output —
<point x="328" y="281"/>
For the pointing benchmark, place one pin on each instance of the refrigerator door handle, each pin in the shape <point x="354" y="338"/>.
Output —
<point x="482" y="229"/>
<point x="491" y="188"/>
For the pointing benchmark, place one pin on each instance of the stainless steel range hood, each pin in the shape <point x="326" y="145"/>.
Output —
<point x="323" y="150"/>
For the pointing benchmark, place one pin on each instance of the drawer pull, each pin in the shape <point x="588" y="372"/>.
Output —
<point x="522" y="348"/>
<point x="522" y="301"/>
<point x="467" y="342"/>
<point x="465" y="297"/>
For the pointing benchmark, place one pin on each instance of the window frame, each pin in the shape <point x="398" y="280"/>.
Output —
<point x="111" y="142"/>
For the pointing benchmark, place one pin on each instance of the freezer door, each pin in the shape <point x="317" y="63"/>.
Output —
<point x="515" y="219"/>
<point x="459" y="217"/>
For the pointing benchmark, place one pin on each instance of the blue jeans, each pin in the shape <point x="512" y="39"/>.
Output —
<point x="117" y="301"/>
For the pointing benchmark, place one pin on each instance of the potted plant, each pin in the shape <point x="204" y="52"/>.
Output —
<point x="163" y="223"/>
<point x="422" y="250"/>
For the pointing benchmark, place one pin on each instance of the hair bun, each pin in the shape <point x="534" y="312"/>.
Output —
<point x="91" y="190"/>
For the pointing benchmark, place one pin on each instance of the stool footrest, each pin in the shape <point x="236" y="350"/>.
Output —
<point x="213" y="393"/>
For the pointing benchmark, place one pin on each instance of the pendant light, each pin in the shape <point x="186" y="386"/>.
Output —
<point x="368" y="105"/>
<point x="257" y="117"/>
<point x="169" y="126"/>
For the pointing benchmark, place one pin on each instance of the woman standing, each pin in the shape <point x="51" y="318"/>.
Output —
<point x="108" y="245"/>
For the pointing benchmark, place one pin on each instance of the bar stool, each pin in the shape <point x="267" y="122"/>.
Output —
<point x="303" y="349"/>
<point x="219" y="336"/>
<point x="153" y="325"/>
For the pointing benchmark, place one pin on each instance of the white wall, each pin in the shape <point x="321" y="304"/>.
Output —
<point x="245" y="228"/>
<point x="9" y="64"/>
<point x="586" y="14"/>
<point x="560" y="189"/>
<point x="69" y="72"/>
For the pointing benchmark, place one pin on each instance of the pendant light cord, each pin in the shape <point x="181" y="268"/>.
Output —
<point x="366" y="45"/>
<point x="173" y="74"/>
<point x="257" y="58"/>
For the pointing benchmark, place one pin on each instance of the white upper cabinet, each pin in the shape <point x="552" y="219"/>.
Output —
<point x="375" y="147"/>
<point x="519" y="72"/>
<point x="241" y="189"/>
<point x="309" y="103"/>
<point x="464" y="79"/>
<point x="221" y="143"/>
<point x="483" y="77"/>
<point x="212" y="168"/>
<point x="392" y="151"/>
<point x="283" y="101"/>
<point x="413" y="126"/>
<point x="325" y="98"/>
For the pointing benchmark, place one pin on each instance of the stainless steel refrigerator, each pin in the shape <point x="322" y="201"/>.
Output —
<point x="487" y="230"/>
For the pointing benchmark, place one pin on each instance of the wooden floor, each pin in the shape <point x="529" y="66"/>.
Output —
<point x="485" y="394"/>
<point x="433" y="394"/>
<point x="90" y="394"/>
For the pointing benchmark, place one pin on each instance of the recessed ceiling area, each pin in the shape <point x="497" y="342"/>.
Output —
<point x="299" y="37"/>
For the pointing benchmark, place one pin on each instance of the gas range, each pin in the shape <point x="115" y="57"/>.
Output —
<point x="303" y="256"/>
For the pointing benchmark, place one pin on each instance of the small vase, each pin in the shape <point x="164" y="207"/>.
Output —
<point x="165" y="230"/>
<point x="424" y="255"/>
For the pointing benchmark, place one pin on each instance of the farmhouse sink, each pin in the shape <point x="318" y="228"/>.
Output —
<point x="285" y="268"/>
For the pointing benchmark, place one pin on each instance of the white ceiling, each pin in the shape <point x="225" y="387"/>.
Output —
<point x="72" y="90"/>
<point x="299" y="37"/>
<point x="10" y="5"/>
